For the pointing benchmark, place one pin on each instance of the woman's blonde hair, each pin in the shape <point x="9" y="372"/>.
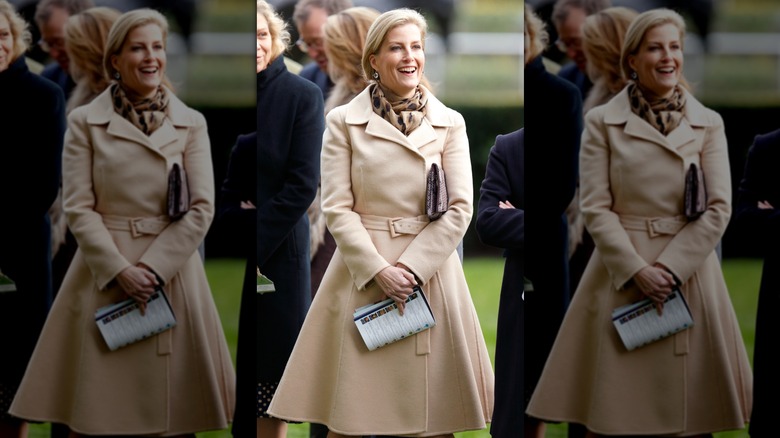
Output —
<point x="280" y="36"/>
<point x="536" y="36"/>
<point x="382" y="26"/>
<point x="642" y="24"/>
<point x="86" y="34"/>
<point x="345" y="37"/>
<point x="19" y="30"/>
<point x="122" y="28"/>
<point x="602" y="40"/>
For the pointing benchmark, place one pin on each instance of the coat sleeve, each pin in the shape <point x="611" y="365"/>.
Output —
<point x="95" y="243"/>
<point x="617" y="252"/>
<point x="47" y="157"/>
<point x="240" y="184"/>
<point x="277" y="216"/>
<point x="354" y="243"/>
<point x="429" y="249"/>
<point x="686" y="252"/>
<point x="504" y="228"/>
<point x="759" y="183"/>
<point x="180" y="239"/>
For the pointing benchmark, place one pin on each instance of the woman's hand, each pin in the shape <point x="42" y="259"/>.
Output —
<point x="247" y="205"/>
<point x="765" y="205"/>
<point x="505" y="205"/>
<point x="138" y="283"/>
<point x="397" y="283"/>
<point x="656" y="283"/>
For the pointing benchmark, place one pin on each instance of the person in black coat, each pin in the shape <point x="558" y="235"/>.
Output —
<point x="758" y="215"/>
<point x="555" y="127"/>
<point x="33" y="114"/>
<point x="501" y="223"/>
<point x="290" y="124"/>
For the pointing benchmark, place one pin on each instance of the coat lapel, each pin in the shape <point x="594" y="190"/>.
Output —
<point x="359" y="111"/>
<point x="101" y="111"/>
<point x="619" y="112"/>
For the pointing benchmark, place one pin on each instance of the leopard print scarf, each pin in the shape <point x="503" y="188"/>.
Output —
<point x="663" y="114"/>
<point x="147" y="114"/>
<point x="405" y="114"/>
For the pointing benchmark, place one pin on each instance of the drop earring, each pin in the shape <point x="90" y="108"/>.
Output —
<point x="634" y="75"/>
<point x="375" y="76"/>
<point x="117" y="76"/>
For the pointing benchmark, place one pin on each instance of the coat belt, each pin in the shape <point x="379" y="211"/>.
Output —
<point x="655" y="226"/>
<point x="395" y="225"/>
<point x="137" y="226"/>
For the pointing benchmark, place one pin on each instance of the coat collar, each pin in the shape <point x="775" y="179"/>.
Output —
<point x="16" y="69"/>
<point x="101" y="112"/>
<point x="618" y="112"/>
<point x="274" y="69"/>
<point x="360" y="112"/>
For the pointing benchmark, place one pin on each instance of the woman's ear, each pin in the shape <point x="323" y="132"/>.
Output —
<point x="114" y="63"/>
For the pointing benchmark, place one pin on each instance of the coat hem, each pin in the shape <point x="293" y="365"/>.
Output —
<point x="657" y="432"/>
<point x="152" y="432"/>
<point x="414" y="433"/>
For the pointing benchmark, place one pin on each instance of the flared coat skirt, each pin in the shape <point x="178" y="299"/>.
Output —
<point x="435" y="382"/>
<point x="694" y="382"/>
<point x="180" y="381"/>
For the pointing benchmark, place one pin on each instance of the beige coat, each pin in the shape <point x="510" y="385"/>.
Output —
<point x="176" y="382"/>
<point x="697" y="381"/>
<point x="437" y="381"/>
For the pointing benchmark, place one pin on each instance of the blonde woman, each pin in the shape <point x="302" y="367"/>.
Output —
<point x="602" y="38"/>
<point x="603" y="35"/>
<point x="85" y="39"/>
<point x="119" y="152"/>
<point x="290" y="122"/>
<point x="32" y="110"/>
<point x="436" y="382"/>
<point x="636" y="150"/>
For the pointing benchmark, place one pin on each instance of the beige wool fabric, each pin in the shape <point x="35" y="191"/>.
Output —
<point x="174" y="383"/>
<point x="437" y="381"/>
<point x="697" y="381"/>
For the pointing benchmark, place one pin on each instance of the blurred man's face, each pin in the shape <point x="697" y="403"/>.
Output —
<point x="312" y="36"/>
<point x="53" y="34"/>
<point x="570" y="34"/>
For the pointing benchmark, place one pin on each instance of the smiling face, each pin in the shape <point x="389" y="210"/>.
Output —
<point x="658" y="62"/>
<point x="141" y="63"/>
<point x="263" y="43"/>
<point x="400" y="60"/>
<point x="6" y="43"/>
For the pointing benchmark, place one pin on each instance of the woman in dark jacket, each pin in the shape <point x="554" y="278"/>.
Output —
<point x="290" y="123"/>
<point x="554" y="134"/>
<point x="33" y="113"/>
<point x="501" y="223"/>
<point x="758" y="215"/>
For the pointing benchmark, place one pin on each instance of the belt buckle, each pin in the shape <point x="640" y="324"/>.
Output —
<point x="651" y="228"/>
<point x="391" y="225"/>
<point x="134" y="224"/>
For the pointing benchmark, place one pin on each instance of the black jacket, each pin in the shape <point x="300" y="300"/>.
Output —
<point x="505" y="228"/>
<point x="33" y="117"/>
<point x="761" y="182"/>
